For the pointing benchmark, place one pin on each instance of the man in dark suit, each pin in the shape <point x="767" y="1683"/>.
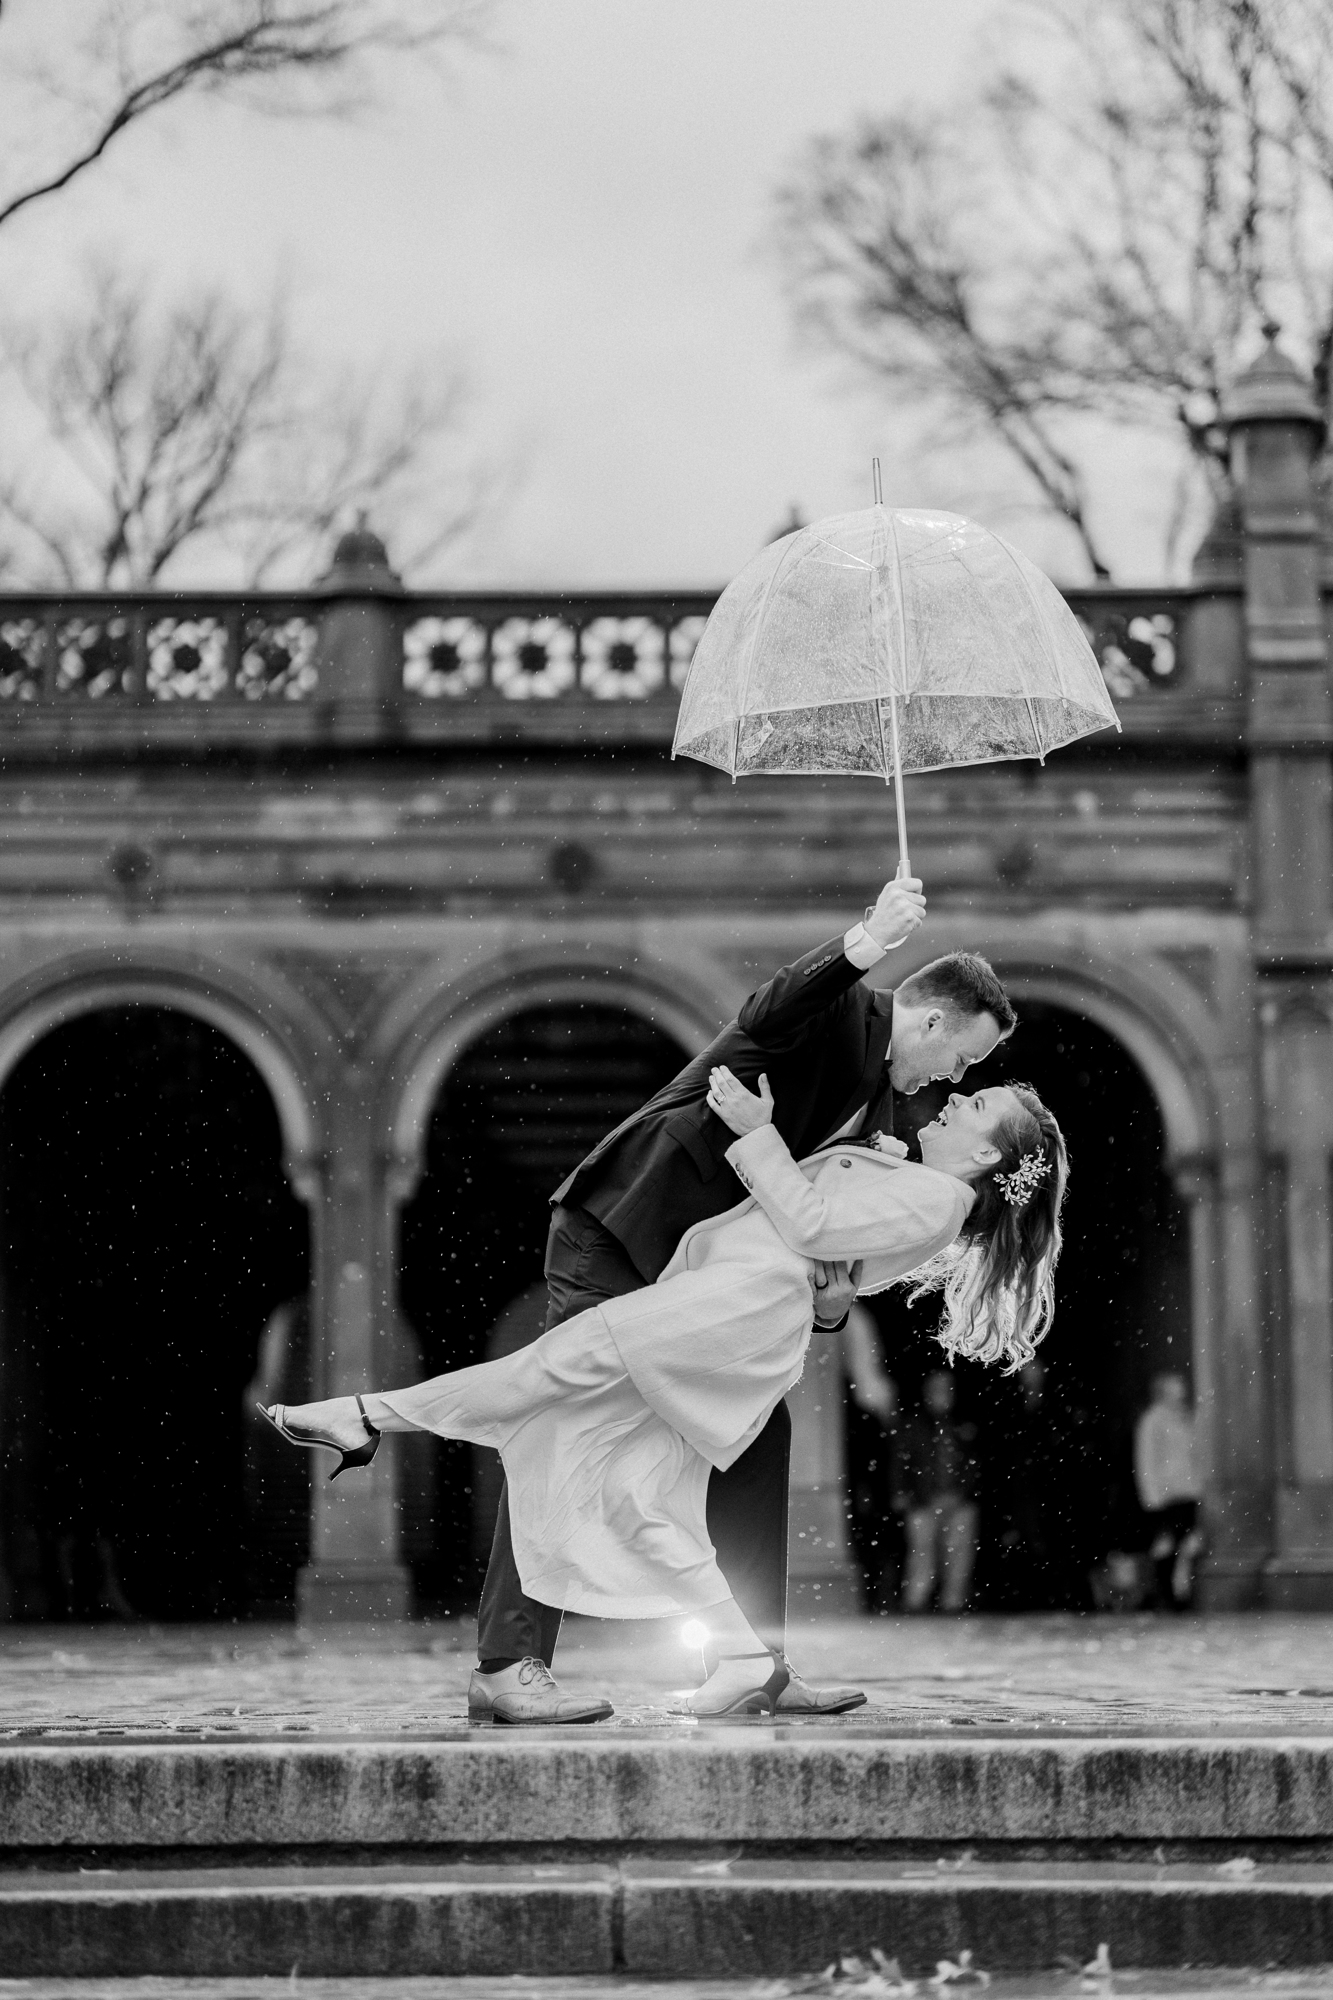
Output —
<point x="834" y="1052"/>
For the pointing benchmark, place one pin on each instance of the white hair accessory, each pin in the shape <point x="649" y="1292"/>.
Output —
<point x="1019" y="1187"/>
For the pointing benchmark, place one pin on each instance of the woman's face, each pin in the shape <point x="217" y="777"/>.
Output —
<point x="958" y="1142"/>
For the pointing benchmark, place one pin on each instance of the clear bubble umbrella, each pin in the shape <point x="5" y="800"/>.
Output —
<point x="887" y="641"/>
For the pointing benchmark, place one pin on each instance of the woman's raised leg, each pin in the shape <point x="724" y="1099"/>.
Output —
<point x="480" y="1403"/>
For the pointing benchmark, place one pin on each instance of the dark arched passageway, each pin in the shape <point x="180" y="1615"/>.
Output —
<point x="1123" y="1314"/>
<point x="148" y="1233"/>
<point x="518" y="1110"/>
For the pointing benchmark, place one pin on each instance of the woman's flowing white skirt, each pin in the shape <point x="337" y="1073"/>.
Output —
<point x="610" y="1425"/>
<point x="606" y="1502"/>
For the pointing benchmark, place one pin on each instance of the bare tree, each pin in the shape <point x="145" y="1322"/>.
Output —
<point x="899" y="261"/>
<point x="78" y="75"/>
<point x="200" y="433"/>
<point x="1097" y="234"/>
<point x="1265" y="69"/>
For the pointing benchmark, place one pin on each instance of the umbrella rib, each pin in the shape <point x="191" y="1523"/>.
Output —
<point x="879" y="706"/>
<point x="1032" y="720"/>
<point x="1035" y="603"/>
<point x="902" y="605"/>
<point x="749" y="659"/>
<point x="1053" y="662"/>
<point x="935" y="540"/>
<point x="857" y="562"/>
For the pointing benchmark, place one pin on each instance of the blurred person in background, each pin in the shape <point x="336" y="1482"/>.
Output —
<point x="1166" y="1475"/>
<point x="873" y="1410"/>
<point x="939" y="1480"/>
<point x="277" y="1485"/>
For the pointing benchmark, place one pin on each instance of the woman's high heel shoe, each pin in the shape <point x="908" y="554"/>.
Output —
<point x="762" y="1700"/>
<point x="313" y="1441"/>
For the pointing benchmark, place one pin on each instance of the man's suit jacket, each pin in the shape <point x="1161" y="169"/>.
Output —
<point x="822" y="1038"/>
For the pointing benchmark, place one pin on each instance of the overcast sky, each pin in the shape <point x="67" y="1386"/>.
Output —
<point x="580" y="215"/>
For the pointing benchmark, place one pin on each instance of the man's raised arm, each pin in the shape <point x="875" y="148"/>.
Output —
<point x="781" y="1012"/>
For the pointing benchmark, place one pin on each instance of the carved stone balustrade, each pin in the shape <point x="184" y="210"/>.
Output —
<point x="194" y="673"/>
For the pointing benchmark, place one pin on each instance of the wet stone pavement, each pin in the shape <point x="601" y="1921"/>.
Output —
<point x="1223" y="1675"/>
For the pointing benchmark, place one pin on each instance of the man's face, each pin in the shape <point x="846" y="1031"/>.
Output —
<point x="936" y="1046"/>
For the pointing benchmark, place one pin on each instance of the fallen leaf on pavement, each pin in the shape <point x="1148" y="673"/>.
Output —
<point x="960" y="1973"/>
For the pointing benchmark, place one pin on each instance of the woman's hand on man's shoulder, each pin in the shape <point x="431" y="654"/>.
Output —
<point x="738" y="1108"/>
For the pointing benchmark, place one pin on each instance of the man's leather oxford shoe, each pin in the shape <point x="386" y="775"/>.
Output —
<point x="528" y="1692"/>
<point x="799" y="1698"/>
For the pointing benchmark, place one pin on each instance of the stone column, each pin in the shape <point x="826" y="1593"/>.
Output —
<point x="355" y="1571"/>
<point x="1230" y="1391"/>
<point x="1277" y="429"/>
<point x="822" y="1574"/>
<point x="1297" y="1030"/>
<point x="1196" y="1183"/>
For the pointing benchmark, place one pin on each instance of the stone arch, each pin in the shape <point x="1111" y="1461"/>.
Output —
<point x="461" y="1306"/>
<point x="248" y="1046"/>
<point x="63" y="992"/>
<point x="1191" y="1046"/>
<point x="1178" y="1046"/>
<point x="461" y="1015"/>
<point x="1138" y="998"/>
<point x="1149" y="1030"/>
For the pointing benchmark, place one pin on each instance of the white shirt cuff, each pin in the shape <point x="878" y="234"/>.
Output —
<point x="861" y="948"/>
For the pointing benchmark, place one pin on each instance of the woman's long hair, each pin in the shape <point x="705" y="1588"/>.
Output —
<point x="998" y="1278"/>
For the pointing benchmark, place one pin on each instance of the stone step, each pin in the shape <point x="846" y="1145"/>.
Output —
<point x="653" y="1918"/>
<point x="754" y="1789"/>
<point x="1215" y="1983"/>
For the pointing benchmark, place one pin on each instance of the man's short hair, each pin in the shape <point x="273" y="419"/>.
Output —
<point x="963" y="983"/>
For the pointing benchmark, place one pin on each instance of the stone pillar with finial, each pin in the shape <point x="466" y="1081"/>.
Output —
<point x="1277" y="433"/>
<point x="359" y="650"/>
<point x="356" y="1569"/>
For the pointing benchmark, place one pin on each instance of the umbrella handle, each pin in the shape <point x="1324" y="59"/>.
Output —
<point x="904" y="870"/>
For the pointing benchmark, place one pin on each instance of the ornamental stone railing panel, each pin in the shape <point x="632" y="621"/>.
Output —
<point x="600" y="665"/>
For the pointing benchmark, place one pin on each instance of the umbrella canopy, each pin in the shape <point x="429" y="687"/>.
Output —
<point x="883" y="630"/>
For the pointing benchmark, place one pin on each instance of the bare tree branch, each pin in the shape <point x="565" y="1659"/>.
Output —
<point x="151" y="434"/>
<point x="227" y="47"/>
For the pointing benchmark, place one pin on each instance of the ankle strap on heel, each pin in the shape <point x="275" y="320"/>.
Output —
<point x="370" y="1428"/>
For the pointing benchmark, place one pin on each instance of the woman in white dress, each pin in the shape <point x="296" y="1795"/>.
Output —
<point x="610" y="1424"/>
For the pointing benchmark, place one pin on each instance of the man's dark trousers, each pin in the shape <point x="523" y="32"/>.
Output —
<point x="747" y="1504"/>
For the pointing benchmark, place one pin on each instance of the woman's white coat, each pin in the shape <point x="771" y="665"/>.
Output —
<point x="610" y="1424"/>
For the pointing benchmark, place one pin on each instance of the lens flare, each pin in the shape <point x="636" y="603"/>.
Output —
<point x="694" y="1635"/>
